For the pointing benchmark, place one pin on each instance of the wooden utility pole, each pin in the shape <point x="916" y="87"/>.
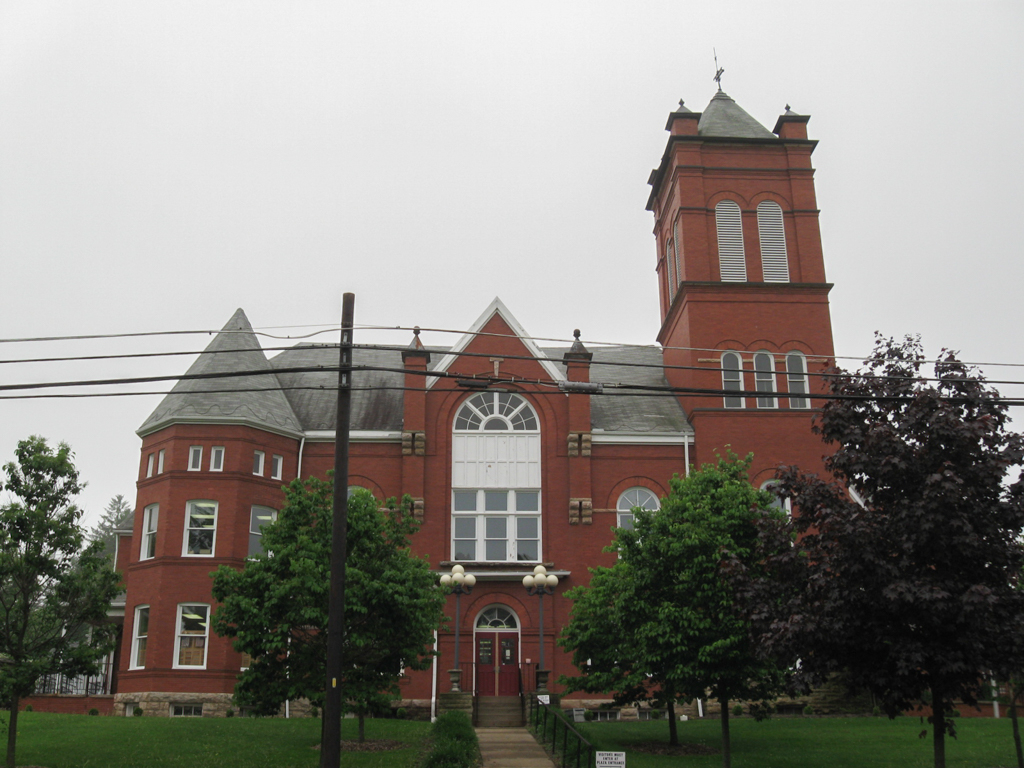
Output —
<point x="330" y="740"/>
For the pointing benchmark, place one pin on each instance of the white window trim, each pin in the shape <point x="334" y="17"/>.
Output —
<point x="759" y="379"/>
<point x="151" y="514"/>
<point x="136" y="637"/>
<point x="178" y="636"/>
<point x="172" y="706"/>
<point x="732" y="259"/>
<point x="511" y="532"/>
<point x="725" y="387"/>
<point x="258" y="462"/>
<point x="160" y="462"/>
<point x="259" y="529"/>
<point x="786" y="504"/>
<point x="276" y="467"/>
<point x="188" y="514"/>
<point x="771" y="231"/>
<point x="802" y="378"/>
<point x="149" y="464"/>
<point x="195" y="458"/>
<point x="217" y="458"/>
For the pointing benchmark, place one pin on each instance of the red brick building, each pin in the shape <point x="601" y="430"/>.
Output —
<point x="510" y="467"/>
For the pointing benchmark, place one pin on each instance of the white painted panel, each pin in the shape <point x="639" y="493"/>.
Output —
<point x="495" y="461"/>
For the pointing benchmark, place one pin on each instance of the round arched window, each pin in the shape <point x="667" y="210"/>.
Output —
<point x="635" y="497"/>
<point x="496" y="412"/>
<point x="497" y="617"/>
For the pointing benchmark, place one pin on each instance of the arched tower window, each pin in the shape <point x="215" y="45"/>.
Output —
<point x="764" y="379"/>
<point x="496" y="499"/>
<point x="732" y="379"/>
<point x="732" y="263"/>
<point x="772" y="234"/>
<point x="635" y="497"/>
<point x="796" y="373"/>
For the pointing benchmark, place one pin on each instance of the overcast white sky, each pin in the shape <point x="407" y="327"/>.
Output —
<point x="164" y="163"/>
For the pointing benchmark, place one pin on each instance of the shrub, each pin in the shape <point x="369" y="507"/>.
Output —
<point x="876" y="711"/>
<point x="455" y="743"/>
<point x="28" y="708"/>
<point x="655" y="714"/>
<point x="589" y="716"/>
<point x="314" y="712"/>
<point x="400" y="713"/>
<point x="737" y="710"/>
<point x="94" y="712"/>
<point x="229" y="713"/>
<point x="808" y="710"/>
<point x="137" y="712"/>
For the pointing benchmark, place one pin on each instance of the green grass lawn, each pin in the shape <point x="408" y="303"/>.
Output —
<point x="77" y="741"/>
<point x="856" y="742"/>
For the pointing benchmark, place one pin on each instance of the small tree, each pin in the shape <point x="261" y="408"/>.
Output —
<point x="665" y="622"/>
<point x="275" y="608"/>
<point x="54" y="595"/>
<point x="908" y="583"/>
<point x="114" y="517"/>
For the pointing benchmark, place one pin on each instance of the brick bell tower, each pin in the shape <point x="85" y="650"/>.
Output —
<point x="744" y="301"/>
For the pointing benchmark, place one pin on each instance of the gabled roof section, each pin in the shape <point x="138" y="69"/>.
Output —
<point x="496" y="307"/>
<point x="254" y="400"/>
<point x="724" y="117"/>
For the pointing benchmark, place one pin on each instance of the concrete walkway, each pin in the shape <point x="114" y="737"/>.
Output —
<point x="511" y="748"/>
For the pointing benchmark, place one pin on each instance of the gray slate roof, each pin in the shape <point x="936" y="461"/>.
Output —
<point x="309" y="398"/>
<point x="223" y="400"/>
<point x="724" y="117"/>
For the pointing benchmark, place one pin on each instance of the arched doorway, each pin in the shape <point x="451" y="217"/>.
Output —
<point x="496" y="644"/>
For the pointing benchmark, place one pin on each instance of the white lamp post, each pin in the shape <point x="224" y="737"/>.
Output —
<point x="459" y="583"/>
<point x="541" y="583"/>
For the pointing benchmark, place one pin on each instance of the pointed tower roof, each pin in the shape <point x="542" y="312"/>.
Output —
<point x="225" y="400"/>
<point x="724" y="117"/>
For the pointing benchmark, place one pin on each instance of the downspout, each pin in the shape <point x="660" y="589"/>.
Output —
<point x="302" y="444"/>
<point x="433" y="684"/>
<point x="686" y="458"/>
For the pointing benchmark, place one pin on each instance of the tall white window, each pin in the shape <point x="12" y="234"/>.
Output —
<point x="732" y="379"/>
<point x="634" y="497"/>
<point x="193" y="632"/>
<point x="276" y="466"/>
<point x="772" y="234"/>
<point x="140" y="634"/>
<point x="200" y="528"/>
<point x="796" y="373"/>
<point x="257" y="462"/>
<point x="496" y="499"/>
<point x="195" y="458"/>
<point x="217" y="458"/>
<point x="732" y="261"/>
<point x="670" y="259"/>
<point x="150" y="516"/>
<point x="259" y="517"/>
<point x="764" y="379"/>
<point x="160" y="462"/>
<point x="149" y="465"/>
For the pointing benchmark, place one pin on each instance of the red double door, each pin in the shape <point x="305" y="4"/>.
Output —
<point x="497" y="664"/>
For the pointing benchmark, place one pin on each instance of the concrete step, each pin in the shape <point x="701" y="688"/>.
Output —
<point x="499" y="712"/>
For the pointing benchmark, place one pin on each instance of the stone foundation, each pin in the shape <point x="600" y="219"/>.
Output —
<point x="158" y="704"/>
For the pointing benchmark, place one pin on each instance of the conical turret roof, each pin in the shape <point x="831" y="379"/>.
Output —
<point x="724" y="117"/>
<point x="255" y="399"/>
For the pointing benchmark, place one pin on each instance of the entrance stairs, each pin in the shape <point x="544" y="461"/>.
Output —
<point x="499" y="712"/>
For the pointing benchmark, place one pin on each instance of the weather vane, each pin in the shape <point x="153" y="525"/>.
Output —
<point x="718" y="70"/>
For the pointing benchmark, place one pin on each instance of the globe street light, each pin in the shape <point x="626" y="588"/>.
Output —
<point x="459" y="583"/>
<point x="541" y="583"/>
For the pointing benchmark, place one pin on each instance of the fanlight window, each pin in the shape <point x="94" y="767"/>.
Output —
<point x="496" y="412"/>
<point x="497" y="617"/>
<point x="635" y="497"/>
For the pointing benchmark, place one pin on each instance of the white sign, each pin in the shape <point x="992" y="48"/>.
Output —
<point x="611" y="760"/>
<point x="543" y="698"/>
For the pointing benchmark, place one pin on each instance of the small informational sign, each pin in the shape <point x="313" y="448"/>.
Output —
<point x="611" y="760"/>
<point x="543" y="698"/>
<point x="579" y="715"/>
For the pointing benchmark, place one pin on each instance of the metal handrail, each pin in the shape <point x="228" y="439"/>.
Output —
<point x="585" y="753"/>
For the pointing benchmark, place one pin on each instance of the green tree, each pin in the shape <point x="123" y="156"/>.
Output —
<point x="275" y="608"/>
<point x="910" y="583"/>
<point x="115" y="516"/>
<point x="54" y="595"/>
<point x="665" y="622"/>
